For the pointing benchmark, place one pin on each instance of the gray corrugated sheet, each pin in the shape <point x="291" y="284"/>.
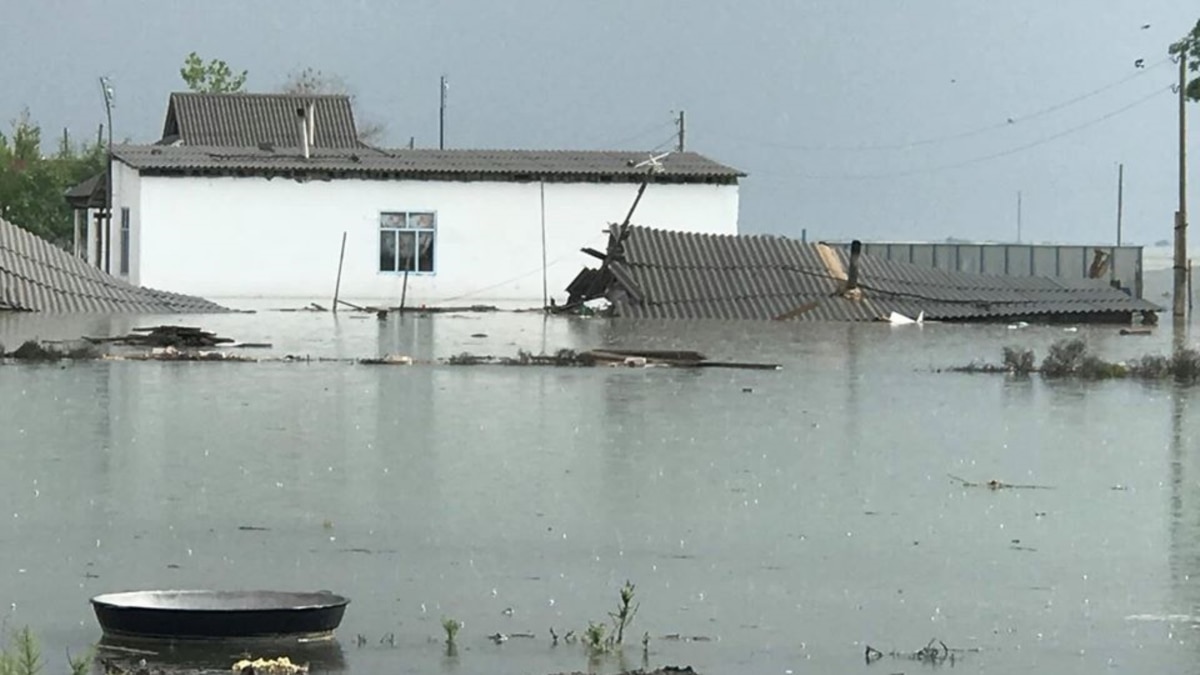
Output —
<point x="689" y="275"/>
<point x="418" y="164"/>
<point x="245" y="120"/>
<point x="37" y="276"/>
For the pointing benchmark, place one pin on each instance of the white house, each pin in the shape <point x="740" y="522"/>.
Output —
<point x="250" y="195"/>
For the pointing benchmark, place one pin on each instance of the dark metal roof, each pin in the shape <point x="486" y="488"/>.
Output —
<point x="666" y="274"/>
<point x="366" y="162"/>
<point x="89" y="193"/>
<point x="37" y="276"/>
<point x="245" y="120"/>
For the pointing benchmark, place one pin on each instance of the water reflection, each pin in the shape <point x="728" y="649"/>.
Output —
<point x="215" y="655"/>
<point x="770" y="510"/>
<point x="1184" y="507"/>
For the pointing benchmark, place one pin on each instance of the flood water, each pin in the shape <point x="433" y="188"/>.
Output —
<point x="787" y="518"/>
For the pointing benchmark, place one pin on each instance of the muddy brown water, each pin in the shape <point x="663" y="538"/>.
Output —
<point x="773" y="522"/>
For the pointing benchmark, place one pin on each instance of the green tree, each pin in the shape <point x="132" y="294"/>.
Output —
<point x="32" y="184"/>
<point x="214" y="77"/>
<point x="1188" y="49"/>
<point x="311" y="82"/>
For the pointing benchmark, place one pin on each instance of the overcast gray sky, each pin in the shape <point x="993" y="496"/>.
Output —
<point x="853" y="118"/>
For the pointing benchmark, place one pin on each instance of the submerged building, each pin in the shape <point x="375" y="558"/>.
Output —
<point x="253" y="195"/>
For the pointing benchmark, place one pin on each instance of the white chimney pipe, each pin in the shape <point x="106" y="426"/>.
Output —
<point x="304" y="137"/>
<point x="311" y="116"/>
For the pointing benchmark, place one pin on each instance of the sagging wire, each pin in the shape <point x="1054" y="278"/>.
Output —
<point x="985" y="158"/>
<point x="552" y="263"/>
<point x="1005" y="124"/>
<point x="644" y="132"/>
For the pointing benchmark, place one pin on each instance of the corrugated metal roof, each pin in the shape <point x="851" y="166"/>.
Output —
<point x="37" y="276"/>
<point x="666" y="274"/>
<point x="422" y="164"/>
<point x="245" y="120"/>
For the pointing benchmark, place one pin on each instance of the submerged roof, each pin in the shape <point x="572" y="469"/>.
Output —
<point x="36" y="275"/>
<point x="246" y="120"/>
<point x="666" y="274"/>
<point x="366" y="162"/>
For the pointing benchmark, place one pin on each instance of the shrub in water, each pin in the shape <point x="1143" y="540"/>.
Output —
<point x="1096" y="368"/>
<point x="1065" y="358"/>
<point x="1018" y="360"/>
<point x="1185" y="365"/>
<point x="1151" y="367"/>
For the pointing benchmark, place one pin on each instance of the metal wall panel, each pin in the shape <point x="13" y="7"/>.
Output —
<point x="1016" y="260"/>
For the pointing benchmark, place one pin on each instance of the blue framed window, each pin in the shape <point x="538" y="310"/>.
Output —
<point x="406" y="241"/>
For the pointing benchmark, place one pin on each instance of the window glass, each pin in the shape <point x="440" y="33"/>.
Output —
<point x="406" y="241"/>
<point x="387" y="251"/>
<point x="425" y="252"/>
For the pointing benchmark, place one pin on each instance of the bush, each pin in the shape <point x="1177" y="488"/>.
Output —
<point x="1065" y="358"/>
<point x="1019" y="361"/>
<point x="1152" y="367"/>
<point x="1185" y="365"/>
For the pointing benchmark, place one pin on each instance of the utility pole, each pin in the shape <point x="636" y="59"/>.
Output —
<point x="1181" y="272"/>
<point x="681" y="123"/>
<point x="106" y="88"/>
<point x="1120" y="198"/>
<point x="442" y="116"/>
<point x="1018" y="216"/>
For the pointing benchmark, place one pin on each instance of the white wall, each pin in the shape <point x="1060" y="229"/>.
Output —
<point x="127" y="185"/>
<point x="233" y="237"/>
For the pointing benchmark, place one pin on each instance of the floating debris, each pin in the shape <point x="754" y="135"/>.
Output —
<point x="173" y="354"/>
<point x="388" y="360"/>
<point x="280" y="666"/>
<point x="998" y="485"/>
<point x="664" y="670"/>
<point x="935" y="652"/>
<point x="165" y="336"/>
<point x="35" y="351"/>
<point x="628" y="358"/>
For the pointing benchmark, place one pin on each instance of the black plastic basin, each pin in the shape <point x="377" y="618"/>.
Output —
<point x="219" y="614"/>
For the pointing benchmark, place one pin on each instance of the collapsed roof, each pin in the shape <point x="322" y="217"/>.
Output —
<point x="659" y="274"/>
<point x="37" y="276"/>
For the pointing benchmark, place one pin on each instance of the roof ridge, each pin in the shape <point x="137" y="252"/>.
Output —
<point x="255" y="94"/>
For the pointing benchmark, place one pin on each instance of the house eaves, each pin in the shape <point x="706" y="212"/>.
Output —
<point x="420" y="164"/>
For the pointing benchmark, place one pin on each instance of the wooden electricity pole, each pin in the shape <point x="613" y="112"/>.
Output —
<point x="682" y="131"/>
<point x="442" y="116"/>
<point x="1181" y="272"/>
<point x="1018" y="216"/>
<point x="1120" y="199"/>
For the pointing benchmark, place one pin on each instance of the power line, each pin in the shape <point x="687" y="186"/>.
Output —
<point x="1007" y="123"/>
<point x="641" y="134"/>
<point x="996" y="155"/>
<point x="671" y="142"/>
